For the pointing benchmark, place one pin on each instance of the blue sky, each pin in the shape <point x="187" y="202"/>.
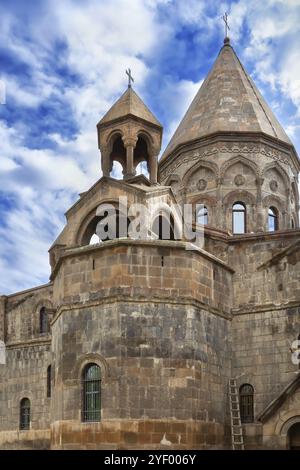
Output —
<point x="63" y="67"/>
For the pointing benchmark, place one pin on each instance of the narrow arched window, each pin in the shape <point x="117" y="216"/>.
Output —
<point x="49" y="381"/>
<point x="44" y="321"/>
<point x="25" y="414"/>
<point x="202" y="216"/>
<point x="238" y="218"/>
<point x="91" y="393"/>
<point x="272" y="219"/>
<point x="246" y="403"/>
<point x="292" y="223"/>
<point x="162" y="227"/>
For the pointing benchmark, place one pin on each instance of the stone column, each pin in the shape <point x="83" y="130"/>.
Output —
<point x="130" y="146"/>
<point x="288" y="223"/>
<point x="260" y="219"/>
<point x="219" y="218"/>
<point x="153" y="169"/>
<point x="105" y="161"/>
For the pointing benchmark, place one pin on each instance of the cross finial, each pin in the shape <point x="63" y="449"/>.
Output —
<point x="130" y="77"/>
<point x="225" y="19"/>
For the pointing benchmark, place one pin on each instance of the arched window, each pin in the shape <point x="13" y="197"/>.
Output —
<point x="292" y="223"/>
<point x="25" y="413"/>
<point x="202" y="216"/>
<point x="272" y="219"/>
<point x="44" y="321"/>
<point x="294" y="437"/>
<point x="91" y="393"/>
<point x="246" y="403"/>
<point x="238" y="218"/>
<point x="49" y="381"/>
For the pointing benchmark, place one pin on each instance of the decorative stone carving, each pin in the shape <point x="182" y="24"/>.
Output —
<point x="201" y="185"/>
<point x="273" y="186"/>
<point x="171" y="165"/>
<point x="239" y="180"/>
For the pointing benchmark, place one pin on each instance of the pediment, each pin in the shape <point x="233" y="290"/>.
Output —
<point x="291" y="252"/>
<point x="280" y="400"/>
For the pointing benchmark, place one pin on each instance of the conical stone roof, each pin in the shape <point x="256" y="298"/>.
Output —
<point x="228" y="101"/>
<point x="129" y="104"/>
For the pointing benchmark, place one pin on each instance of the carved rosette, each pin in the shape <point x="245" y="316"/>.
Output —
<point x="239" y="180"/>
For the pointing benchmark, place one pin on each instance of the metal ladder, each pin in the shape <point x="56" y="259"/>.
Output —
<point x="237" y="440"/>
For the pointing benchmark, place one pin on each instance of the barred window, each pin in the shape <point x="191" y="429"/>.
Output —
<point x="91" y="393"/>
<point x="246" y="403"/>
<point x="49" y="381"/>
<point x="25" y="414"/>
<point x="44" y="321"/>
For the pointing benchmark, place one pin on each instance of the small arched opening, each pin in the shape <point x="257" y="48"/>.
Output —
<point x="294" y="437"/>
<point x="113" y="226"/>
<point x="141" y="156"/>
<point x="117" y="157"/>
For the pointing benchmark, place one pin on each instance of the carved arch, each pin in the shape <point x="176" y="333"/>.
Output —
<point x="95" y="358"/>
<point x="239" y="195"/>
<point x="273" y="200"/>
<point x="50" y="311"/>
<point x="88" y="219"/>
<point x="43" y="303"/>
<point x="210" y="202"/>
<point x="205" y="199"/>
<point x="111" y="137"/>
<point x="239" y="159"/>
<point x="148" y="138"/>
<point x="201" y="164"/>
<point x="276" y="166"/>
<point x="171" y="178"/>
<point x="288" y="424"/>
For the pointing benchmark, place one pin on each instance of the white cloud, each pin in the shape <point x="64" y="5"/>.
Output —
<point x="177" y="98"/>
<point x="102" y="39"/>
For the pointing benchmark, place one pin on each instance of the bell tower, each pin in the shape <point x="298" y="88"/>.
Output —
<point x="129" y="134"/>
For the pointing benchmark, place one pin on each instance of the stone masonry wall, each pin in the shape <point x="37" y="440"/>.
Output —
<point x="143" y="270"/>
<point x="28" y="354"/>
<point x="164" y="370"/>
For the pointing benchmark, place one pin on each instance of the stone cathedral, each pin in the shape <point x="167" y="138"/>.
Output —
<point x="151" y="343"/>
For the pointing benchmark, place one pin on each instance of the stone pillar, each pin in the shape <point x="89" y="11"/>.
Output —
<point x="130" y="146"/>
<point x="153" y="169"/>
<point x="288" y="223"/>
<point x="260" y="219"/>
<point x="219" y="217"/>
<point x="105" y="161"/>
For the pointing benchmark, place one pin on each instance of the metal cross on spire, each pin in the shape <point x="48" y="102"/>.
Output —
<point x="225" y="19"/>
<point x="130" y="77"/>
